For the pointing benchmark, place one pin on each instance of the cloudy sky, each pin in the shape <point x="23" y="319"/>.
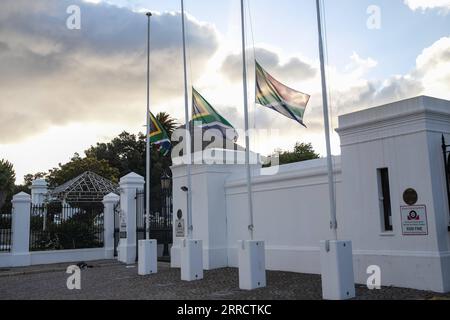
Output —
<point x="63" y="90"/>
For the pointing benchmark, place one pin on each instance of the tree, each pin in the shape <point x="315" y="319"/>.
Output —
<point x="125" y="152"/>
<point x="301" y="152"/>
<point x="7" y="180"/>
<point x="77" y="166"/>
<point x="169" y="123"/>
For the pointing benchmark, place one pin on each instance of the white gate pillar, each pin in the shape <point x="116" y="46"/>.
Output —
<point x="128" y="187"/>
<point x="39" y="189"/>
<point x="21" y="229"/>
<point x="109" y="203"/>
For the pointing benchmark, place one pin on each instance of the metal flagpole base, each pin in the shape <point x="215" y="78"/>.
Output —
<point x="252" y="265"/>
<point x="336" y="259"/>
<point x="191" y="260"/>
<point x="148" y="257"/>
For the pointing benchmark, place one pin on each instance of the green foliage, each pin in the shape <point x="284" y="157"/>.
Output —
<point x="5" y="221"/>
<point x="169" y="123"/>
<point x="7" y="176"/>
<point x="127" y="153"/>
<point x="77" y="166"/>
<point x="301" y="152"/>
<point x="76" y="232"/>
<point x="7" y="180"/>
<point x="81" y="231"/>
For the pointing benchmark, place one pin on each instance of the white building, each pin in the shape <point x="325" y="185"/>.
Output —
<point x="385" y="151"/>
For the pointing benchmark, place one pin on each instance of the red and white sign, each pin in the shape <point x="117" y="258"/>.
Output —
<point x="414" y="221"/>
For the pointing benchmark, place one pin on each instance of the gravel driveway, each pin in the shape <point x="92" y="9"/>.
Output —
<point x="106" y="280"/>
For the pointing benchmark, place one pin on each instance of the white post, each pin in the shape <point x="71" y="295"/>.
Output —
<point x="148" y="144"/>
<point x="128" y="187"/>
<point x="109" y="203"/>
<point x="252" y="267"/>
<point x="39" y="190"/>
<point x="191" y="260"/>
<point x="335" y="256"/>
<point x="191" y="250"/>
<point x="188" y="148"/>
<point x="147" y="250"/>
<point x="21" y="229"/>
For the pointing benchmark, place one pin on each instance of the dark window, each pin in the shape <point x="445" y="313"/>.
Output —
<point x="385" y="199"/>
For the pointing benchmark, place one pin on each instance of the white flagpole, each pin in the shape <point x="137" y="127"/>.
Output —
<point x="333" y="221"/>
<point x="148" y="153"/>
<point x="188" y="135"/>
<point x="247" y="133"/>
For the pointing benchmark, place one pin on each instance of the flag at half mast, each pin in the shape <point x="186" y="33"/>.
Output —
<point x="159" y="136"/>
<point x="273" y="94"/>
<point x="207" y="117"/>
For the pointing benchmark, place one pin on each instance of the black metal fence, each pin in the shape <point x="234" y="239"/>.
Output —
<point x="55" y="226"/>
<point x="116" y="227"/>
<point x="5" y="228"/>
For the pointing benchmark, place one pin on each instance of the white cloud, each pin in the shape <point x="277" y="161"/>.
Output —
<point x="54" y="76"/>
<point x="443" y="5"/>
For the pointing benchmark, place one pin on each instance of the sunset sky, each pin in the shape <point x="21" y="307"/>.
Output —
<point x="63" y="90"/>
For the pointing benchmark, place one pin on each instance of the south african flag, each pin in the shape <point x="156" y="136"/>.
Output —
<point x="205" y="115"/>
<point x="273" y="94"/>
<point x="159" y="136"/>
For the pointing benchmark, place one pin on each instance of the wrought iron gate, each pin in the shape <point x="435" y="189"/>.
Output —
<point x="160" y="222"/>
<point x="140" y="218"/>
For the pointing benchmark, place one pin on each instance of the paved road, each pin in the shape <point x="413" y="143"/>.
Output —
<point x="111" y="280"/>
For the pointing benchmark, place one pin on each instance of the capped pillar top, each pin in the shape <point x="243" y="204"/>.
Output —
<point x="21" y="197"/>
<point x="132" y="180"/>
<point x="39" y="184"/>
<point x="111" y="198"/>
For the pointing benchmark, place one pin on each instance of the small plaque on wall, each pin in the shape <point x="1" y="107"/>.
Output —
<point x="410" y="197"/>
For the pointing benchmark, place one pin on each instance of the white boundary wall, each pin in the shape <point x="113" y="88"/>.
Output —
<point x="292" y="207"/>
<point x="57" y="256"/>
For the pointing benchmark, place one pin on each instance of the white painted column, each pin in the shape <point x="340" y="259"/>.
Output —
<point x="252" y="265"/>
<point x="39" y="190"/>
<point x="128" y="187"/>
<point x="21" y="229"/>
<point x="109" y="203"/>
<point x="191" y="260"/>
<point x="148" y="257"/>
<point x="336" y="261"/>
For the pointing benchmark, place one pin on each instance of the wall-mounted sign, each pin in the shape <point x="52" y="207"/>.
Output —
<point x="410" y="197"/>
<point x="179" y="228"/>
<point x="414" y="221"/>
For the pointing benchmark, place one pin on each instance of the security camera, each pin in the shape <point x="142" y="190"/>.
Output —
<point x="185" y="189"/>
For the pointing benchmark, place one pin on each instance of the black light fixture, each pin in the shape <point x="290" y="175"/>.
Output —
<point x="165" y="181"/>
